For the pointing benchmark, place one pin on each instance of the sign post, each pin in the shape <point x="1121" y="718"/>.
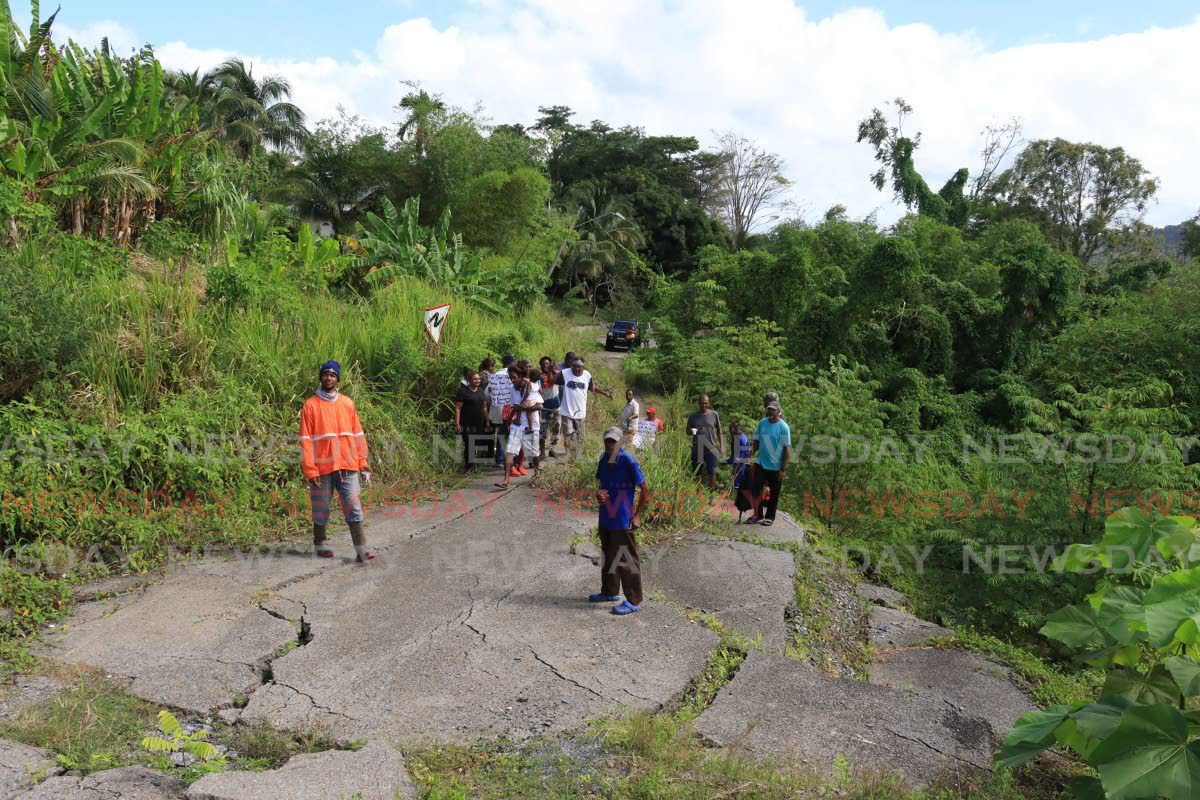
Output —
<point x="435" y="320"/>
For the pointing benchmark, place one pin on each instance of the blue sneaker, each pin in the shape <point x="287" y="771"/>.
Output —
<point x="624" y="608"/>
<point x="603" y="598"/>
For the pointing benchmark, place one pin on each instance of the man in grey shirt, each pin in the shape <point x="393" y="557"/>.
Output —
<point x="707" y="442"/>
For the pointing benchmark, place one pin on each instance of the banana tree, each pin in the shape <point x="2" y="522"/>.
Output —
<point x="96" y="136"/>
<point x="397" y="245"/>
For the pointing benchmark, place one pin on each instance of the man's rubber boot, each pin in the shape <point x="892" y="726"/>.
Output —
<point x="319" y="547"/>
<point x="359" y="537"/>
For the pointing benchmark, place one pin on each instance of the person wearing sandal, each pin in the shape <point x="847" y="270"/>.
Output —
<point x="524" y="428"/>
<point x="334" y="457"/>
<point x="619" y="477"/>
<point x="773" y="444"/>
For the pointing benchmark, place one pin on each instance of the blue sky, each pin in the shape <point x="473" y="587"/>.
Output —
<point x="299" y="29"/>
<point x="794" y="76"/>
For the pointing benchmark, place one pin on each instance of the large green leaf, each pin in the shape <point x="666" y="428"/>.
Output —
<point x="1077" y="627"/>
<point x="1130" y="533"/>
<point x="1155" y="686"/>
<point x="1173" y="600"/>
<point x="1099" y="720"/>
<point x="1148" y="756"/>
<point x="1183" y="542"/>
<point x="1120" y="654"/>
<point x="1085" y="787"/>
<point x="1087" y="558"/>
<point x="1121" y="614"/>
<point x="1032" y="734"/>
<point x="1186" y="673"/>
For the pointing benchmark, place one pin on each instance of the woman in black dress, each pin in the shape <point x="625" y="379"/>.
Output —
<point x="471" y="418"/>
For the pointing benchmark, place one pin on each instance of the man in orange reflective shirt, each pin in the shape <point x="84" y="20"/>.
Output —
<point x="334" y="452"/>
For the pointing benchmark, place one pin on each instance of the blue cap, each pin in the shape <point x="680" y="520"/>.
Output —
<point x="333" y="366"/>
<point x="508" y="360"/>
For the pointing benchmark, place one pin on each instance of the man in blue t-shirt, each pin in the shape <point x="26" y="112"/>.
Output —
<point x="773" y="444"/>
<point x="619" y="476"/>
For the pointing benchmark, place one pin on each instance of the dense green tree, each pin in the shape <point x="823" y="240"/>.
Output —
<point x="344" y="167"/>
<point x="1140" y="337"/>
<point x="1038" y="288"/>
<point x="1190" y="247"/>
<point x="1081" y="194"/>
<point x="658" y="175"/>
<point x="459" y="150"/>
<point x="500" y="210"/>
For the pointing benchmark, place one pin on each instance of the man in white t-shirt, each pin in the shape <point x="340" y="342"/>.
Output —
<point x="576" y="383"/>
<point x="629" y="415"/>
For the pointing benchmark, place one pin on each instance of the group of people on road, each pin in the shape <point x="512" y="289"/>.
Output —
<point x="759" y="461"/>
<point x="514" y="414"/>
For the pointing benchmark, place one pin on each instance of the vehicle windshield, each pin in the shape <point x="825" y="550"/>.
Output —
<point x="623" y="325"/>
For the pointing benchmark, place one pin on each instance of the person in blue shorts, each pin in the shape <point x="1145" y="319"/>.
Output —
<point x="773" y="445"/>
<point x="619" y="476"/>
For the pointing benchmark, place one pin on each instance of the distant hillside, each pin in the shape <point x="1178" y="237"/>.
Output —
<point x="1171" y="237"/>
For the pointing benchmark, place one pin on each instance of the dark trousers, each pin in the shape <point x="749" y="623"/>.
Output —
<point x="622" y="569"/>
<point x="477" y="446"/>
<point x="769" y="479"/>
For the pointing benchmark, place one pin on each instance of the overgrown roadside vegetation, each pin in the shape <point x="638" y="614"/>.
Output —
<point x="94" y="724"/>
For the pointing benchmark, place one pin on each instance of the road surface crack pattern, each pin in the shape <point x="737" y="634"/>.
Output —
<point x="566" y="678"/>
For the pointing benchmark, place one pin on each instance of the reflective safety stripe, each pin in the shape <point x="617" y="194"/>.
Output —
<point x="328" y="436"/>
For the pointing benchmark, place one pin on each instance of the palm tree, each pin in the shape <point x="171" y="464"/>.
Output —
<point x="253" y="111"/>
<point x="607" y="235"/>
<point x="315" y="193"/>
<point x="422" y="109"/>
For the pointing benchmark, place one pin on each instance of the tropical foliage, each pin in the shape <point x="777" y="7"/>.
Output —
<point x="396" y="244"/>
<point x="95" y="138"/>
<point x="996" y="372"/>
<point x="176" y="740"/>
<point x="1141" y="623"/>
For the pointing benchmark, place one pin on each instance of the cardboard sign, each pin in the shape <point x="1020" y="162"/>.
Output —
<point x="435" y="320"/>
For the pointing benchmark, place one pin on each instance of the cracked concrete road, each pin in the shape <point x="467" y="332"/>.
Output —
<point x="480" y="631"/>
<point x="786" y="710"/>
<point x="743" y="585"/>
<point x="472" y="622"/>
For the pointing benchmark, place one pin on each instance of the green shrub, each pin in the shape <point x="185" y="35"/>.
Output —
<point x="170" y="241"/>
<point x="41" y="327"/>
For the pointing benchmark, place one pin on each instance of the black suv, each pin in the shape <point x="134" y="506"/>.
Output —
<point x="623" y="334"/>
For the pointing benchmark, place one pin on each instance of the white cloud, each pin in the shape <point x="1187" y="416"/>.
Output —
<point x="120" y="38"/>
<point x="796" y="84"/>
